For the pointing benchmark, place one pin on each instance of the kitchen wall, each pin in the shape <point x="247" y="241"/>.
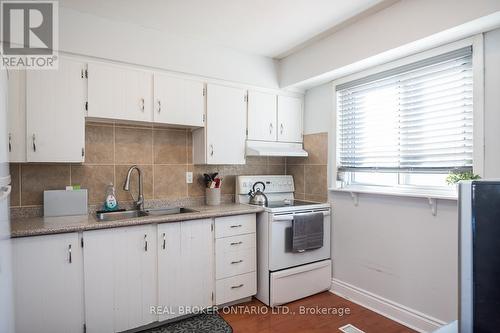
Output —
<point x="393" y="248"/>
<point x="94" y="36"/>
<point x="310" y="173"/>
<point x="404" y="22"/>
<point x="164" y="155"/>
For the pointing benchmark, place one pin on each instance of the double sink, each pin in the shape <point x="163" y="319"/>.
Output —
<point x="128" y="214"/>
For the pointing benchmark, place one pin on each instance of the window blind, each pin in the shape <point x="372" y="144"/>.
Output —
<point x="416" y="117"/>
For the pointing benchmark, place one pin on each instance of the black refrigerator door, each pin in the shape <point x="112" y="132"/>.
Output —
<point x="486" y="256"/>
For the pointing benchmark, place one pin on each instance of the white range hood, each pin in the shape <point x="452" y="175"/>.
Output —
<point x="270" y="148"/>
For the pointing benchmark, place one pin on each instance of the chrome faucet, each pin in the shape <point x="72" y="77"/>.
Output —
<point x="126" y="187"/>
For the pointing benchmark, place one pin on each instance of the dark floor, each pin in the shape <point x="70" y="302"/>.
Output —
<point x="246" y="322"/>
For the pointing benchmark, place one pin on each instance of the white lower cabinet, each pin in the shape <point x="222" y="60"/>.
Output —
<point x="235" y="258"/>
<point x="127" y="277"/>
<point x="120" y="278"/>
<point x="48" y="284"/>
<point x="185" y="267"/>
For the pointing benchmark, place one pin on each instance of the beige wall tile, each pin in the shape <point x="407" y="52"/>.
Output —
<point x="256" y="160"/>
<point x="170" y="181"/>
<point x="133" y="145"/>
<point x="170" y="146"/>
<point x="299" y="196"/>
<point x="297" y="171"/>
<point x="276" y="160"/>
<point x="95" y="178"/>
<point x="35" y="178"/>
<point x="197" y="188"/>
<point x="190" y="147"/>
<point x="15" y="182"/>
<point x="315" y="179"/>
<point x="99" y="144"/>
<point x="317" y="198"/>
<point x="276" y="169"/>
<point x="296" y="160"/>
<point x="317" y="147"/>
<point x="133" y="194"/>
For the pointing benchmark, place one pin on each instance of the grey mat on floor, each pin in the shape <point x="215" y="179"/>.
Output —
<point x="202" y="323"/>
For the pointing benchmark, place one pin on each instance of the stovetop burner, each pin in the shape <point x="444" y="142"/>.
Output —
<point x="289" y="203"/>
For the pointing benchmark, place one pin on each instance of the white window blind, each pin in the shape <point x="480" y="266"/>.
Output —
<point x="414" y="118"/>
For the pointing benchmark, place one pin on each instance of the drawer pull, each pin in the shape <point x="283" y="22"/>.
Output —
<point x="236" y="226"/>
<point x="236" y="243"/>
<point x="238" y="286"/>
<point x="236" y="262"/>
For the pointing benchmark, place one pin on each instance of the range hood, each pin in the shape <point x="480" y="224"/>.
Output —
<point x="271" y="148"/>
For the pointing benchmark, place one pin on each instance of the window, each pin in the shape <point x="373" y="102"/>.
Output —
<point x="408" y="126"/>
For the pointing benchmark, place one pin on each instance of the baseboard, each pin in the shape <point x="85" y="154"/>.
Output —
<point x="397" y="312"/>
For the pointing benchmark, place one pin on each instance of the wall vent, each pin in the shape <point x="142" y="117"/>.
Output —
<point x="349" y="328"/>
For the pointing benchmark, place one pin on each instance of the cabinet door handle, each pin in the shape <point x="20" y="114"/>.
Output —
<point x="236" y="262"/>
<point x="270" y="128"/>
<point x="10" y="142"/>
<point x="146" y="242"/>
<point x="281" y="128"/>
<point x="236" y="243"/>
<point x="236" y="226"/>
<point x="164" y="246"/>
<point x="238" y="286"/>
<point x="211" y="150"/>
<point x="142" y="104"/>
<point x="69" y="253"/>
<point x="34" y="143"/>
<point x="159" y="106"/>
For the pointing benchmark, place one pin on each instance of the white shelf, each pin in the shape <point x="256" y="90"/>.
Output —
<point x="443" y="195"/>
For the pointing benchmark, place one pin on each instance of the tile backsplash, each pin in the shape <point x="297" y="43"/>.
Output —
<point x="164" y="155"/>
<point x="310" y="173"/>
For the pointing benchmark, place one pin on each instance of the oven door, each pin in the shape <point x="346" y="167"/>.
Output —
<point x="280" y="241"/>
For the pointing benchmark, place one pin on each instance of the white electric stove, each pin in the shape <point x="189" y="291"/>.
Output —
<point x="284" y="275"/>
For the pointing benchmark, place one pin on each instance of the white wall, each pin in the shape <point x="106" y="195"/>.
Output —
<point x="91" y="35"/>
<point x="492" y="104"/>
<point x="318" y="103"/>
<point x="402" y="23"/>
<point x="392" y="246"/>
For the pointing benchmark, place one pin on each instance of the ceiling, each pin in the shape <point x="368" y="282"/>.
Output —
<point x="271" y="28"/>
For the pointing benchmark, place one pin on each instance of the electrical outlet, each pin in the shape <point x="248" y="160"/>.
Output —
<point x="189" y="177"/>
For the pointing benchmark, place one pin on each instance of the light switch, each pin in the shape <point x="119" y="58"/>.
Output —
<point x="189" y="177"/>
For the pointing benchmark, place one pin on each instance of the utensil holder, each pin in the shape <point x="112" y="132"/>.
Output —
<point x="212" y="196"/>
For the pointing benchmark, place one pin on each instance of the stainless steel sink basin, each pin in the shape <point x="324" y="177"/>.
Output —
<point x="116" y="216"/>
<point x="169" y="211"/>
<point x="128" y="214"/>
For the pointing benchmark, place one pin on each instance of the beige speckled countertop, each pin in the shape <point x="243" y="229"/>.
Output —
<point x="35" y="226"/>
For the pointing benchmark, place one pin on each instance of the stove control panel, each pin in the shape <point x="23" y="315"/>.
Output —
<point x="274" y="184"/>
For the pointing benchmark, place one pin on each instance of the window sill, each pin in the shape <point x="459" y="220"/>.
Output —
<point x="399" y="192"/>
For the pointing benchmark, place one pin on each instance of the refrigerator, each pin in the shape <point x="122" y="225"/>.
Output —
<point x="479" y="256"/>
<point x="6" y="292"/>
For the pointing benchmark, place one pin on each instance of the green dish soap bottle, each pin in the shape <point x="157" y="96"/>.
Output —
<point x="110" y="202"/>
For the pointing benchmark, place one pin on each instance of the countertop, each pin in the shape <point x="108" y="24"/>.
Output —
<point x="36" y="226"/>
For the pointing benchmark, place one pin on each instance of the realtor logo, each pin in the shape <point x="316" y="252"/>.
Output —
<point x="29" y="34"/>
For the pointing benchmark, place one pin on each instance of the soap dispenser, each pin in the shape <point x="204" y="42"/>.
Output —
<point x="110" y="202"/>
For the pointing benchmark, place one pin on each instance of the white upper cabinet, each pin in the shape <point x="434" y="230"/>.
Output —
<point x="48" y="283"/>
<point x="178" y="101"/>
<point x="55" y="113"/>
<point x="119" y="93"/>
<point x="120" y="278"/>
<point x="289" y="119"/>
<point x="16" y="110"/>
<point x="223" y="140"/>
<point x="261" y="116"/>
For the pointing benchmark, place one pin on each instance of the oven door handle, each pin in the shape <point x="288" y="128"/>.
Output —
<point x="289" y="217"/>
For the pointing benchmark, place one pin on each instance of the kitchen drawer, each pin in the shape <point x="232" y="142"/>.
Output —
<point x="234" y="225"/>
<point x="235" y="243"/>
<point x="235" y="263"/>
<point x="235" y="288"/>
